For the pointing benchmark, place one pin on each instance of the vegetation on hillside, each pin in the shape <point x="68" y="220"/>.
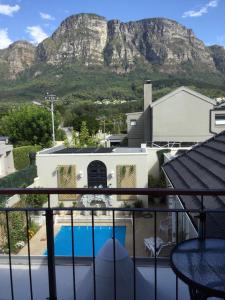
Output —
<point x="84" y="91"/>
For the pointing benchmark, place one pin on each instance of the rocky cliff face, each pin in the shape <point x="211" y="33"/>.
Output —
<point x="81" y="37"/>
<point x="91" y="40"/>
<point x="19" y="56"/>
<point x="218" y="54"/>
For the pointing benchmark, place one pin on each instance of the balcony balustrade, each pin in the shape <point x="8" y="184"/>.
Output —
<point x="26" y="268"/>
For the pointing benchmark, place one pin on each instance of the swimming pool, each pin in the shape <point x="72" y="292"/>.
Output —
<point x="83" y="239"/>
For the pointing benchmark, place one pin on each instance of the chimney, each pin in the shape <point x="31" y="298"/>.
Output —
<point x="147" y="94"/>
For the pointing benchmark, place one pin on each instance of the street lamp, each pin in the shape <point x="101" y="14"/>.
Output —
<point x="52" y="98"/>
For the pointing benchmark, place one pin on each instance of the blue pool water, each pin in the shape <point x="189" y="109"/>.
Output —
<point x="83" y="239"/>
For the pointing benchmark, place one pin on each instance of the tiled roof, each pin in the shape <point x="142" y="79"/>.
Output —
<point x="202" y="167"/>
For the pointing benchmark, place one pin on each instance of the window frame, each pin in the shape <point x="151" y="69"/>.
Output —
<point x="219" y="119"/>
<point x="133" y="121"/>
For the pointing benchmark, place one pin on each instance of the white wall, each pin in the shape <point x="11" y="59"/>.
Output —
<point x="153" y="162"/>
<point x="16" y="198"/>
<point x="6" y="159"/>
<point x="47" y="168"/>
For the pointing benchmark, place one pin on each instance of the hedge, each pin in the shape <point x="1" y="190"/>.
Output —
<point x="19" y="179"/>
<point x="21" y="156"/>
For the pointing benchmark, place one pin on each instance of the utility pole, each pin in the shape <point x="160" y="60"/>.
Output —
<point x="52" y="98"/>
<point x="102" y="119"/>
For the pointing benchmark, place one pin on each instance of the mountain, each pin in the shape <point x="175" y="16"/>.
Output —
<point x="218" y="54"/>
<point x="92" y="40"/>
<point x="112" y="58"/>
<point x="15" y="59"/>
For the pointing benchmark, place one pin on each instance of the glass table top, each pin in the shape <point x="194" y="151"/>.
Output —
<point x="201" y="264"/>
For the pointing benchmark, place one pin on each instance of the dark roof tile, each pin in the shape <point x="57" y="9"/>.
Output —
<point x="202" y="167"/>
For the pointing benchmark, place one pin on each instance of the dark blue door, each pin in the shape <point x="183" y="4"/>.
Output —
<point x="97" y="174"/>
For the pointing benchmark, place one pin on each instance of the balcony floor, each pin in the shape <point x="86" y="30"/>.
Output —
<point x="165" y="276"/>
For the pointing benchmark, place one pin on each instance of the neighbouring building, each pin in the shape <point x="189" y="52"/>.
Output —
<point x="6" y="157"/>
<point x="116" y="140"/>
<point x="201" y="167"/>
<point x="94" y="167"/>
<point x="182" y="117"/>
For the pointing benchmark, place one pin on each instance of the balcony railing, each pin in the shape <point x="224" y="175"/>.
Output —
<point x="115" y="215"/>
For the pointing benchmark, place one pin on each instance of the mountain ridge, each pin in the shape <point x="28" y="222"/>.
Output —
<point x="90" y="39"/>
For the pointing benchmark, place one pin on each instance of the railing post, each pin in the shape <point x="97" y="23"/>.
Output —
<point x="202" y="221"/>
<point x="51" y="254"/>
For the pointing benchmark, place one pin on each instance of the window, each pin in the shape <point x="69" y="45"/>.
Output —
<point x="133" y="122"/>
<point x="220" y="119"/>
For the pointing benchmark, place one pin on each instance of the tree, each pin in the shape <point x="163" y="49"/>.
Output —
<point x="84" y="134"/>
<point x="28" y="125"/>
<point x="83" y="138"/>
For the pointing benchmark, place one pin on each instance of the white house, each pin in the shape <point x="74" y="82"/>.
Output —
<point x="6" y="157"/>
<point x="93" y="167"/>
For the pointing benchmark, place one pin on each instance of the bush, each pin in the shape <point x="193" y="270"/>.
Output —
<point x="19" y="179"/>
<point x="17" y="231"/>
<point x="34" y="201"/>
<point x="21" y="156"/>
<point x="138" y="204"/>
<point x="154" y="182"/>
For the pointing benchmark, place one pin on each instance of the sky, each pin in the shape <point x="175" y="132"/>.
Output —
<point x="35" y="20"/>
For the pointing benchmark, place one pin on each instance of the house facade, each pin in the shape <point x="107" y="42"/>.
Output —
<point x="102" y="167"/>
<point x="6" y="157"/>
<point x="182" y="116"/>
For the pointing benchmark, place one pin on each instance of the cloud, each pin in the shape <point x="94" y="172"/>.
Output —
<point x="37" y="34"/>
<point x="48" y="17"/>
<point x="4" y="38"/>
<point x="8" y="10"/>
<point x="201" y="11"/>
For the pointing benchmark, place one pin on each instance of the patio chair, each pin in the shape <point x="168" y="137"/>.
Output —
<point x="165" y="249"/>
<point x="162" y="248"/>
<point x="165" y="226"/>
<point x="150" y="245"/>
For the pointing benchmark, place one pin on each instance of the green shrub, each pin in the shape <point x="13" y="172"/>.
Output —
<point x="17" y="231"/>
<point x="21" y="156"/>
<point x="157" y="182"/>
<point x="138" y="204"/>
<point x="34" y="201"/>
<point x="19" y="179"/>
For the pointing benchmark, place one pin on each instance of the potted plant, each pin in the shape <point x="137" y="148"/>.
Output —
<point x="138" y="204"/>
<point x="75" y="205"/>
<point x="128" y="206"/>
<point x="61" y="212"/>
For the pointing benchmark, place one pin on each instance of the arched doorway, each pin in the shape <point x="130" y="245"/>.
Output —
<point x="97" y="174"/>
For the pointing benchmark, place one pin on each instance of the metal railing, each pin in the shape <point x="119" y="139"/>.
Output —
<point x="170" y="144"/>
<point x="49" y="212"/>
